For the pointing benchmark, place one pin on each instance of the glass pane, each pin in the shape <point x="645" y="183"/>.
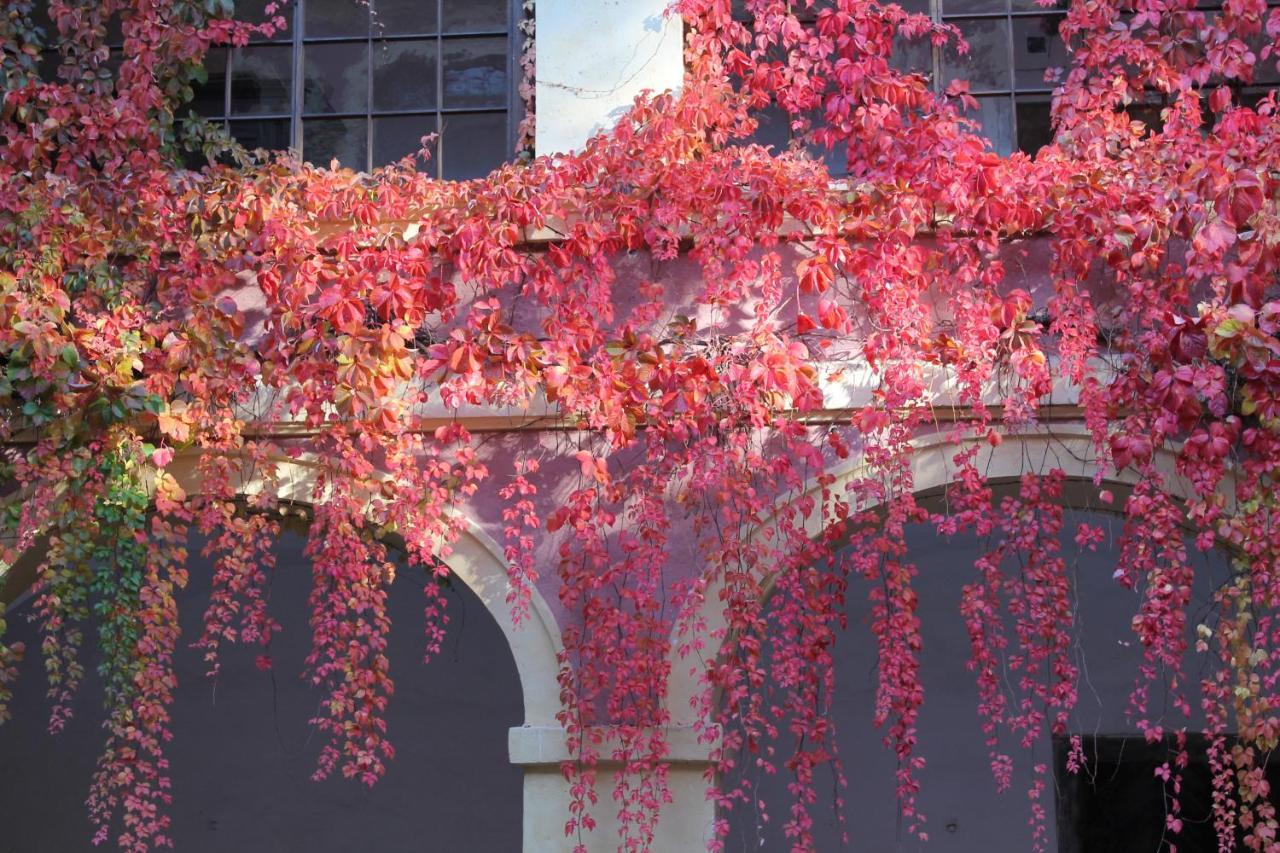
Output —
<point x="398" y="136"/>
<point x="995" y="121"/>
<point x="343" y="138"/>
<point x="986" y="66"/>
<point x="1037" y="47"/>
<point x="912" y="55"/>
<point x="269" y="133"/>
<point x="472" y="146"/>
<point x="260" y="79"/>
<point x="209" y="99"/>
<point x="969" y="7"/>
<point x="918" y="7"/>
<point x="1034" y="129"/>
<point x="836" y="159"/>
<point x="404" y="75"/>
<point x="465" y="16"/>
<point x="475" y="72"/>
<point x="326" y="18"/>
<point x="773" y="128"/>
<point x="1035" y="6"/>
<point x="404" y="17"/>
<point x="50" y="62"/>
<point x="336" y="79"/>
<point x="1264" y="70"/>
<point x="115" y="30"/>
<point x="40" y="17"/>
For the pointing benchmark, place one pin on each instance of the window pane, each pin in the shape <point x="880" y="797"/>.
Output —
<point x="1037" y="47"/>
<point x="404" y="17"/>
<point x="336" y="79"/>
<point x="260" y="78"/>
<point x="986" y="66"/>
<point x="336" y="18"/>
<point x="461" y="16"/>
<point x="1264" y="70"/>
<point x="912" y="55"/>
<point x="270" y="133"/>
<point x="969" y="7"/>
<point x="473" y="145"/>
<point x="1033" y="6"/>
<point x="919" y="7"/>
<point x="404" y="75"/>
<point x="995" y="121"/>
<point x="773" y="128"/>
<point x="398" y="136"/>
<point x="1034" y="129"/>
<point x="475" y="72"/>
<point x="209" y="99"/>
<point x="343" y="138"/>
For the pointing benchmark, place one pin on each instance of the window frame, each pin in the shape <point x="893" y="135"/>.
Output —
<point x="1010" y="93"/>
<point x="513" y="109"/>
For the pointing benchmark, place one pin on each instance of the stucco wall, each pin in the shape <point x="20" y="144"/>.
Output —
<point x="594" y="57"/>
<point x="243" y="751"/>
<point x="958" y="796"/>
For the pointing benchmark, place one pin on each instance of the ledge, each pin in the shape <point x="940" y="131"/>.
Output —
<point x="535" y="746"/>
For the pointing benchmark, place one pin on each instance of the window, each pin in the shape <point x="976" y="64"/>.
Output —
<point x="363" y="81"/>
<point x="1116" y="804"/>
<point x="1012" y="44"/>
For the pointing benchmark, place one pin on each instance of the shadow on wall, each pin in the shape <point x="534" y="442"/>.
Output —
<point x="958" y="796"/>
<point x="243" y="752"/>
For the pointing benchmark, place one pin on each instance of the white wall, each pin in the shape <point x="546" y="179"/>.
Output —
<point x="593" y="58"/>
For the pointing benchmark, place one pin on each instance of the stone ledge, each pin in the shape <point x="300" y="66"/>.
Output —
<point x="531" y="746"/>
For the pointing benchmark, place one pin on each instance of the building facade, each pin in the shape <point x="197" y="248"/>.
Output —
<point x="480" y="746"/>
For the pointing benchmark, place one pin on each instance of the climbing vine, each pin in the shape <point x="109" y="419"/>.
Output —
<point x="171" y="338"/>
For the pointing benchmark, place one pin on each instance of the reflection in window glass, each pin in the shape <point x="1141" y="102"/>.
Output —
<point x="404" y="75"/>
<point x="395" y="137"/>
<point x="330" y="18"/>
<point x="260" y="80"/>
<point x="986" y="65"/>
<point x="912" y="55"/>
<point x="404" y="17"/>
<point x="475" y="72"/>
<point x="210" y="96"/>
<point x="972" y="7"/>
<point x="1034" y="128"/>
<point x="475" y="16"/>
<point x="344" y="139"/>
<point x="1037" y="47"/>
<point x="472" y="144"/>
<point x="773" y="128"/>
<point x="269" y="133"/>
<point x="336" y="78"/>
<point x="994" y="117"/>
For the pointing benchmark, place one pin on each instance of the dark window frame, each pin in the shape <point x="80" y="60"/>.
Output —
<point x="298" y="40"/>
<point x="1012" y="94"/>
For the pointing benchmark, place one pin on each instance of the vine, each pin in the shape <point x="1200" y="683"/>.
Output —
<point x="157" y="321"/>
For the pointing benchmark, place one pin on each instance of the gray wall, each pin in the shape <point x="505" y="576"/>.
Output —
<point x="965" y="813"/>
<point x="242" y="754"/>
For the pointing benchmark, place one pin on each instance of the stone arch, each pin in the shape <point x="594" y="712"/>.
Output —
<point x="474" y="558"/>
<point x="477" y="561"/>
<point x="1066" y="445"/>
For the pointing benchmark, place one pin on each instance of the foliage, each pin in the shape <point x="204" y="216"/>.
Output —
<point x="158" y="321"/>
